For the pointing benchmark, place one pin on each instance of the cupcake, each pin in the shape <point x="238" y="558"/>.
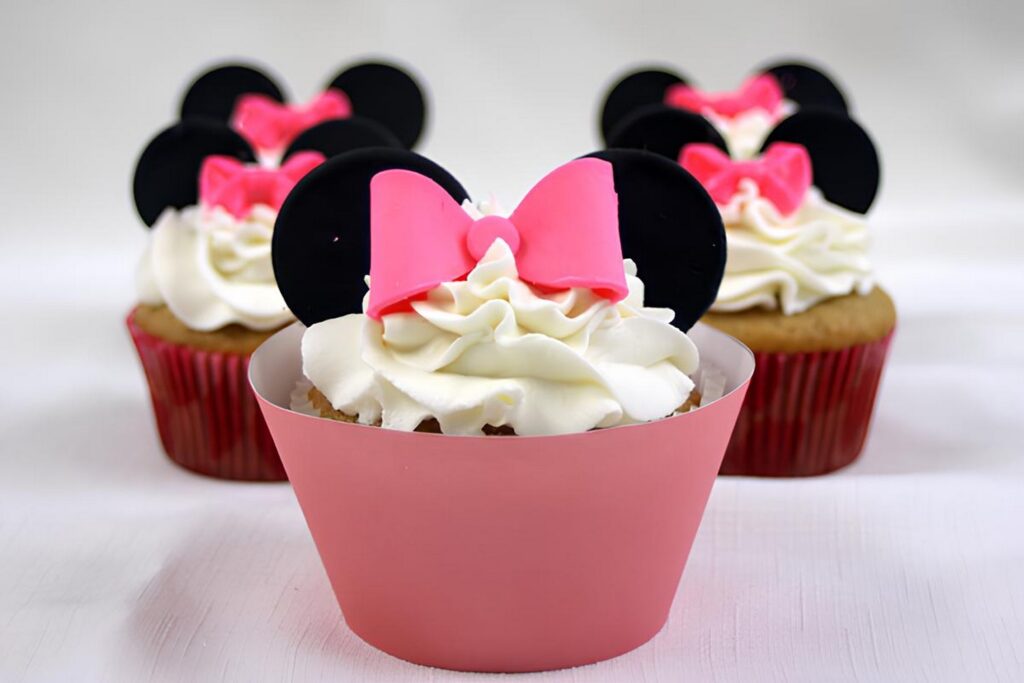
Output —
<point x="743" y="117"/>
<point x="251" y="102"/>
<point x="207" y="296"/>
<point x="506" y="439"/>
<point x="798" y="289"/>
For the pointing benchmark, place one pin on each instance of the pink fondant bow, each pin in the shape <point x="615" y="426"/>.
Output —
<point x="227" y="182"/>
<point x="759" y="92"/>
<point x="782" y="173"/>
<point x="565" y="233"/>
<point x="270" y="125"/>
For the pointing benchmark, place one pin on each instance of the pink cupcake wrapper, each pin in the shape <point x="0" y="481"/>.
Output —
<point x="503" y="553"/>
<point x="806" y="413"/>
<point x="207" y="417"/>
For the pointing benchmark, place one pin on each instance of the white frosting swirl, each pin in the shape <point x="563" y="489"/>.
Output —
<point x="212" y="269"/>
<point x="491" y="350"/>
<point x="792" y="262"/>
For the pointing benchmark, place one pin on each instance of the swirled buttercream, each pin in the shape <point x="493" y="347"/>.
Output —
<point x="492" y="350"/>
<point x="790" y="262"/>
<point x="212" y="269"/>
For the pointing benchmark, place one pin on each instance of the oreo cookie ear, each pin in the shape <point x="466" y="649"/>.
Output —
<point x="637" y="89"/>
<point x="321" y="243"/>
<point x="672" y="229"/>
<point x="387" y="95"/>
<point x="844" y="161"/>
<point x="808" y="86"/>
<point x="665" y="131"/>
<point x="167" y="172"/>
<point x="213" y="94"/>
<point x="338" y="136"/>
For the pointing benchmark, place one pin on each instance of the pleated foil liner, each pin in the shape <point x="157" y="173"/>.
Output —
<point x="206" y="414"/>
<point x="806" y="413"/>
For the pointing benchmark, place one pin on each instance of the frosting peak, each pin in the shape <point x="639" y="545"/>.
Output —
<point x="493" y="350"/>
<point x="790" y="262"/>
<point x="213" y="269"/>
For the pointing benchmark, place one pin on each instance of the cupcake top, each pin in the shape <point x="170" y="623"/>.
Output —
<point x="252" y="103"/>
<point x="743" y="117"/>
<point x="792" y="214"/>
<point x="212" y="210"/>
<point x="533" y="322"/>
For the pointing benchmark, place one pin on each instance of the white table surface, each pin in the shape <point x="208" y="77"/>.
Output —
<point x="115" y="565"/>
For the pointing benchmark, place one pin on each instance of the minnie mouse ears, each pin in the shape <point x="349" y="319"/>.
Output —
<point x="806" y="85"/>
<point x="667" y="222"/>
<point x="672" y="229"/>
<point x="664" y="130"/>
<point x="332" y="138"/>
<point x="167" y="172"/>
<point x="635" y="90"/>
<point x="213" y="94"/>
<point x="388" y="95"/>
<point x="321" y="244"/>
<point x="844" y="160"/>
<point x="381" y="92"/>
<point x="843" y="157"/>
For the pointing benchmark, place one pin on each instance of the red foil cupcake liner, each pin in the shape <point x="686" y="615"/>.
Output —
<point x="806" y="413"/>
<point x="207" y="416"/>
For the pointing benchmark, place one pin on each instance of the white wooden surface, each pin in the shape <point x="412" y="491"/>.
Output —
<point x="117" y="566"/>
<point x="908" y="566"/>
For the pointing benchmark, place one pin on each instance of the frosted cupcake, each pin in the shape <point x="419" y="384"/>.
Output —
<point x="743" y="117"/>
<point x="376" y="94"/>
<point x="514" y="453"/>
<point x="207" y="295"/>
<point x="799" y="288"/>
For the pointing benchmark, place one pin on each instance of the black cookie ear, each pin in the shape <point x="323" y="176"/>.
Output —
<point x="843" y="157"/>
<point x="213" y="94"/>
<point x="167" y="172"/>
<point x="386" y="94"/>
<point x="808" y="86"/>
<point x="635" y="90"/>
<point x="338" y="136"/>
<point x="665" y="131"/>
<point x="672" y="229"/>
<point x="321" y="244"/>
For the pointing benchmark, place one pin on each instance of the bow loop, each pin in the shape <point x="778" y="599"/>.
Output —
<point x="760" y="92"/>
<point x="783" y="173"/>
<point x="237" y="187"/>
<point x="270" y="125"/>
<point x="564" y="234"/>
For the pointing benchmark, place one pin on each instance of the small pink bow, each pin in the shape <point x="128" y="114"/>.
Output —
<point x="270" y="125"/>
<point x="782" y="173"/>
<point x="565" y="233"/>
<point x="227" y="182"/>
<point x="759" y="92"/>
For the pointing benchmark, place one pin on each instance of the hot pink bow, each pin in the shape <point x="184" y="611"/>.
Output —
<point x="782" y="173"/>
<point x="225" y="181"/>
<point x="270" y="125"/>
<point x="759" y="92"/>
<point x="565" y="233"/>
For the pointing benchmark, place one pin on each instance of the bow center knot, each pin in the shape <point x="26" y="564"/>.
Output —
<point x="483" y="232"/>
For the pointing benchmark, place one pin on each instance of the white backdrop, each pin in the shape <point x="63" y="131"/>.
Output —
<point x="115" y="565"/>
